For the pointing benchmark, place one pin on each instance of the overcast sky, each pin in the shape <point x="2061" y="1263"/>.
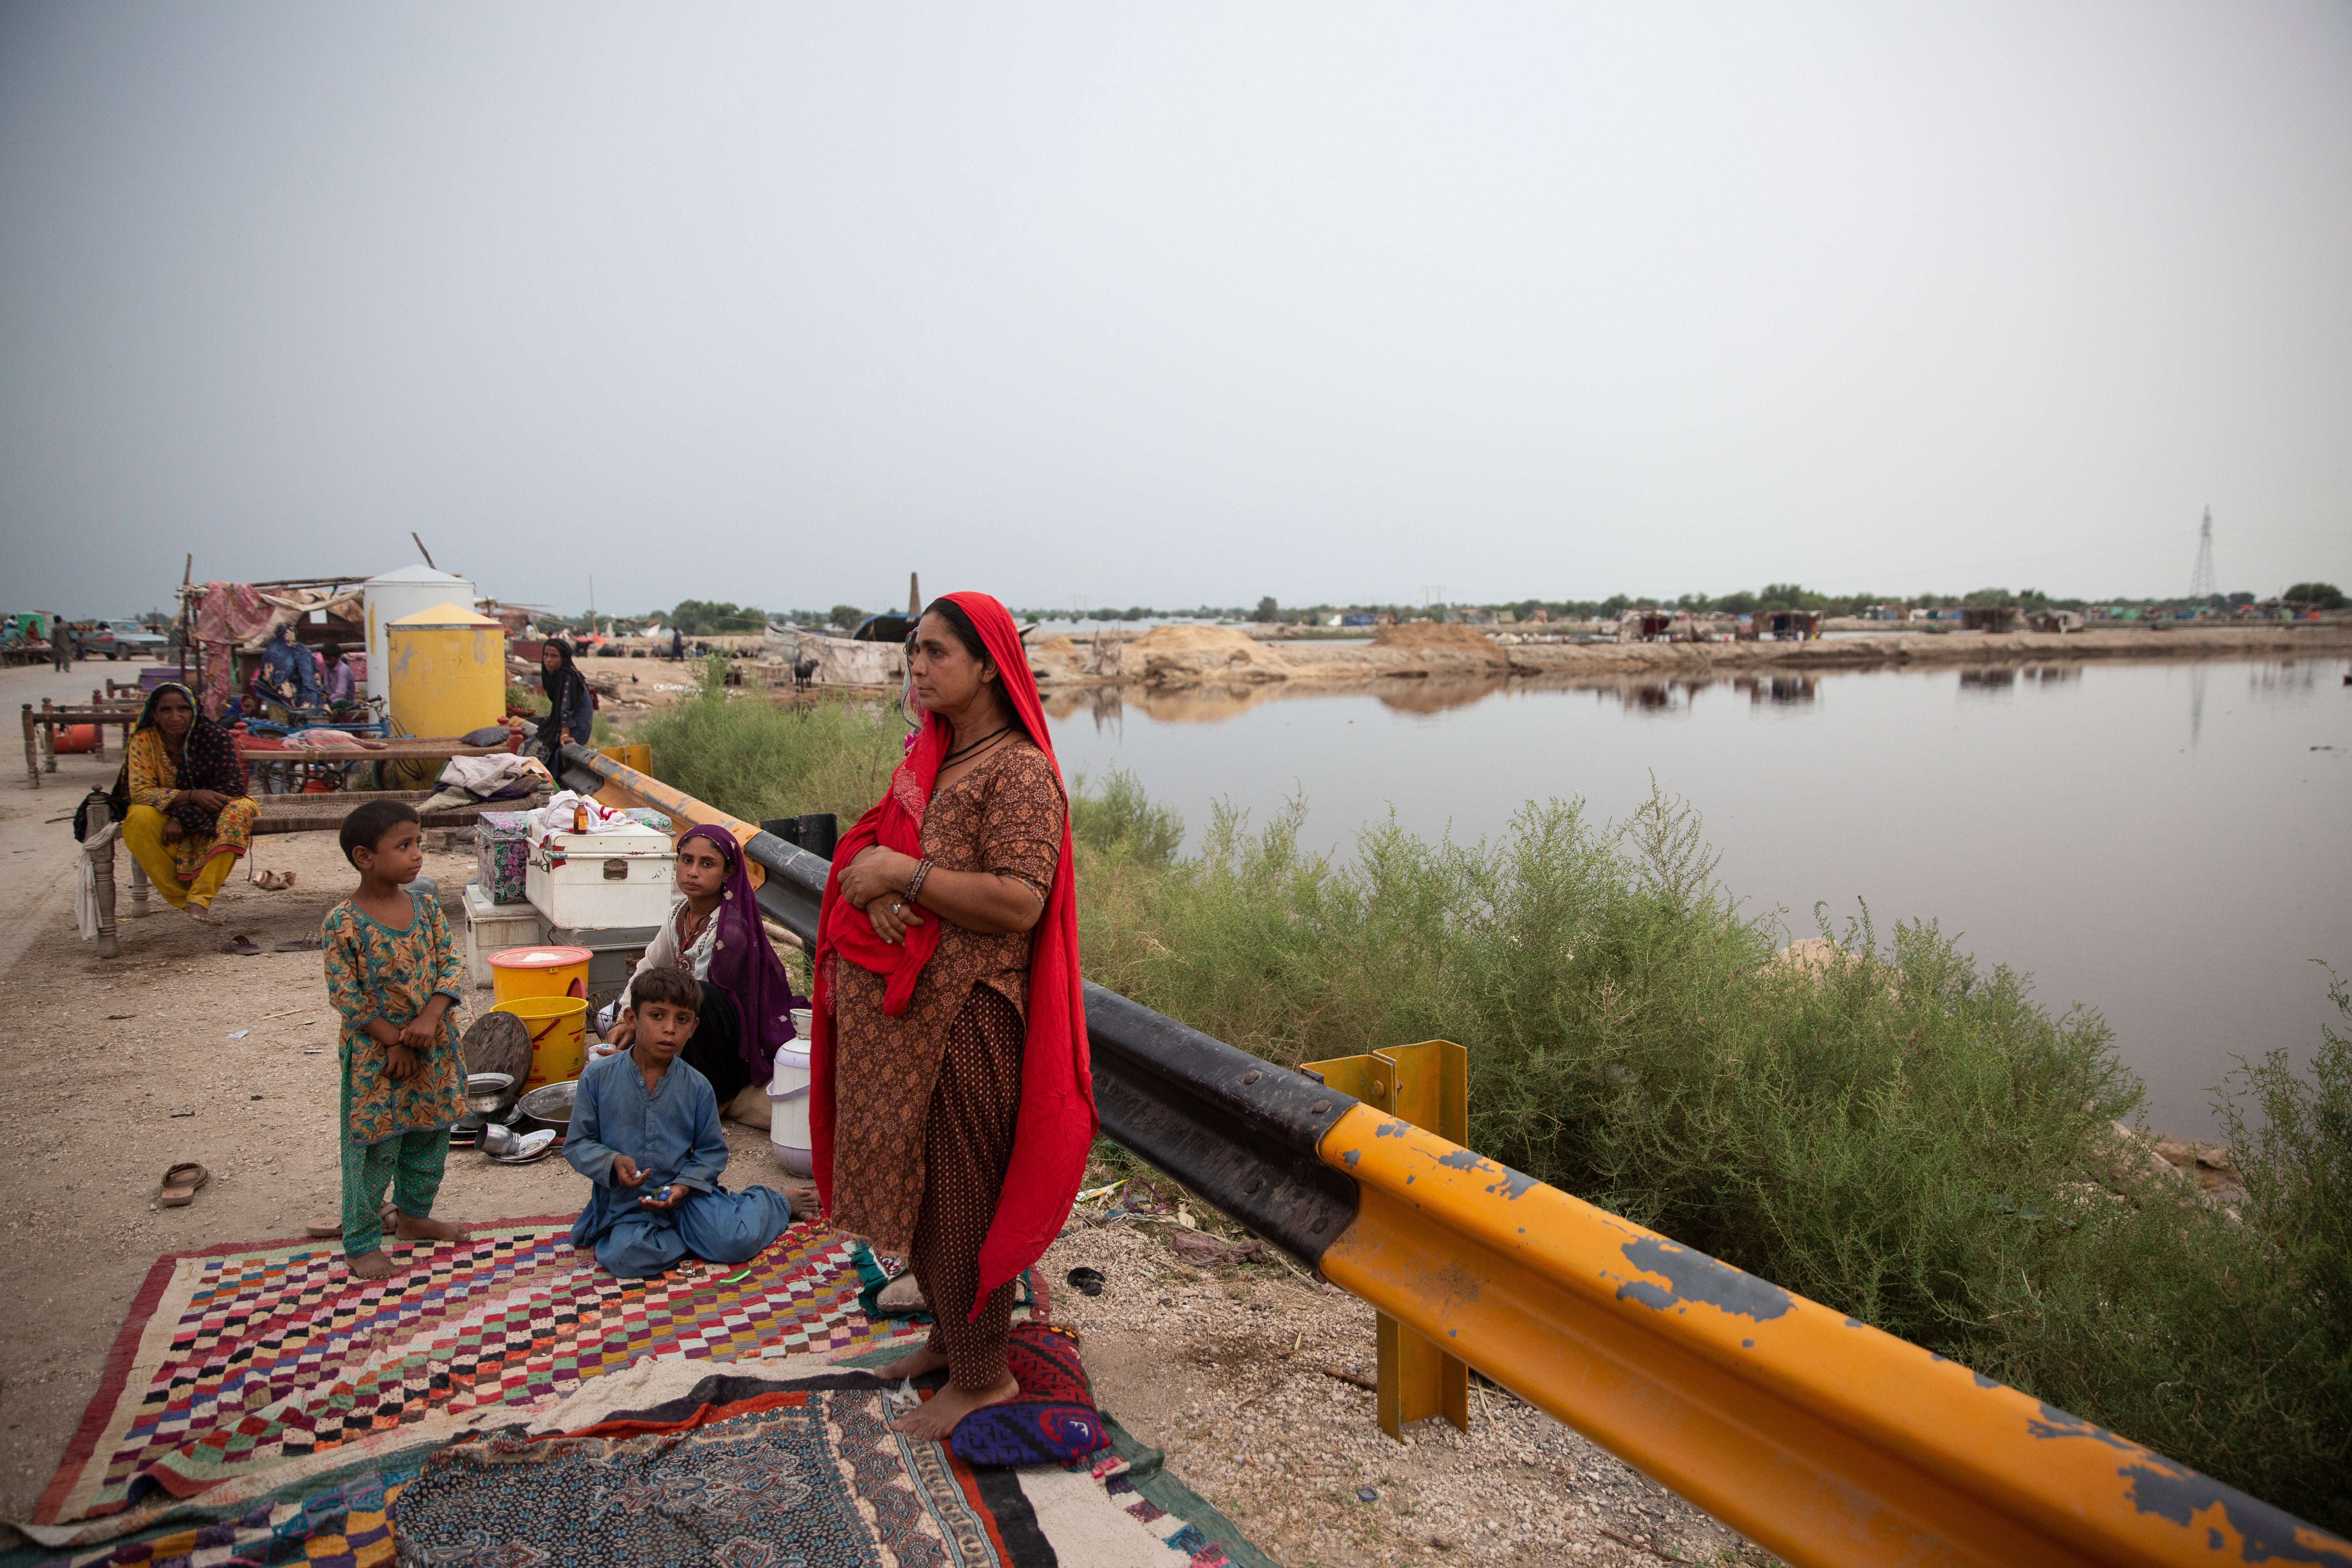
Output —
<point x="1174" y="304"/>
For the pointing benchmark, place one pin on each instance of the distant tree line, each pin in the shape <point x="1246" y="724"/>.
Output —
<point x="702" y="617"/>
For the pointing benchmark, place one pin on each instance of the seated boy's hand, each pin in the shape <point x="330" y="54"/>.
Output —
<point x="626" y="1173"/>
<point x="678" y="1196"/>
<point x="400" y="1061"/>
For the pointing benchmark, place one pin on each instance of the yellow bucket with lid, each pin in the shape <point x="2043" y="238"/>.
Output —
<point x="558" y="1036"/>
<point x="538" y="972"/>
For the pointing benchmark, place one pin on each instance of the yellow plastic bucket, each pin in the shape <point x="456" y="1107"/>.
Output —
<point x="518" y="972"/>
<point x="558" y="1036"/>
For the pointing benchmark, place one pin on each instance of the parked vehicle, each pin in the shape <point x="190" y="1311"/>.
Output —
<point x="121" y="640"/>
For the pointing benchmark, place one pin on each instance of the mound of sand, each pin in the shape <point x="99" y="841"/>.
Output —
<point x="1432" y="634"/>
<point x="1170" y="654"/>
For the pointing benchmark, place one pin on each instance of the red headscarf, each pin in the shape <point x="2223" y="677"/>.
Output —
<point x="1057" y="1123"/>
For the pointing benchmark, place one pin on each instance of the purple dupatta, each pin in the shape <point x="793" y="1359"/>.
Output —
<point x="744" y="965"/>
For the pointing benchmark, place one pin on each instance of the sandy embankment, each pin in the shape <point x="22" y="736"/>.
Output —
<point x="1173" y="657"/>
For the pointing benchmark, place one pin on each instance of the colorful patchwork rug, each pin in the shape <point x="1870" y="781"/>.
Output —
<point x="346" y="1525"/>
<point x="244" y="1362"/>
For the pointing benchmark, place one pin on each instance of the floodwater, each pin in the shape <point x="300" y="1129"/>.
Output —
<point x="2164" y="843"/>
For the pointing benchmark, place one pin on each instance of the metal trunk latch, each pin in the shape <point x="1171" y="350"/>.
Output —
<point x="616" y="870"/>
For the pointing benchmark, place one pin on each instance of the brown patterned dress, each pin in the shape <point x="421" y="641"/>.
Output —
<point x="926" y="1102"/>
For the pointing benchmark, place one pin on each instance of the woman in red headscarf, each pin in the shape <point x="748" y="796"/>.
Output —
<point x="950" y="1107"/>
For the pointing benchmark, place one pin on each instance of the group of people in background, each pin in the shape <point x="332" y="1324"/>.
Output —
<point x="298" y="678"/>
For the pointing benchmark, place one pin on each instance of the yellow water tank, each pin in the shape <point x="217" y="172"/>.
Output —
<point x="448" y="671"/>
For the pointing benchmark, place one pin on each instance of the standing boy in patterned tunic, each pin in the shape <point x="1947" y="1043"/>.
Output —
<point x="394" y="973"/>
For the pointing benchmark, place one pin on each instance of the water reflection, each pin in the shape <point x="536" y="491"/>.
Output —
<point x="1990" y="683"/>
<point x="2037" y="777"/>
<point x="1782" y="691"/>
<point x="1436" y="693"/>
<point x="1429" y="695"/>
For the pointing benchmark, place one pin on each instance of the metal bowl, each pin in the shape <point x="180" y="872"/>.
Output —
<point x="497" y="1142"/>
<point x="550" y="1103"/>
<point x="488" y="1093"/>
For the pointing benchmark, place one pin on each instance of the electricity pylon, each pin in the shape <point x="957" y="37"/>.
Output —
<point x="2202" y="584"/>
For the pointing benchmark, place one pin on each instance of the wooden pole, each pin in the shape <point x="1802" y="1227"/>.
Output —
<point x="189" y="663"/>
<point x="422" y="550"/>
<point x="32" y="758"/>
<point x="99" y="833"/>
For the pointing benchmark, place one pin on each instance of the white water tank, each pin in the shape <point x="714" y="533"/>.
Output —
<point x="398" y="594"/>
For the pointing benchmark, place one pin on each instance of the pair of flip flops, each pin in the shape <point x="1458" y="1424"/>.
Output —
<point x="180" y="1184"/>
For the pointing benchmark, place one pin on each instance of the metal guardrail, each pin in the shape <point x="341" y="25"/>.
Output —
<point x="1826" y="1440"/>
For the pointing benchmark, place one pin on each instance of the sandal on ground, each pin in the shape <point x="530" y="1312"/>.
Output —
<point x="180" y="1184"/>
<point x="242" y="946"/>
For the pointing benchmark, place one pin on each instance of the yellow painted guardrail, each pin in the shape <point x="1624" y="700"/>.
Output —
<point x="1826" y="1440"/>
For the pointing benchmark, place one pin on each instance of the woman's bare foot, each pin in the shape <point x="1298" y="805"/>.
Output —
<point x="370" y="1266"/>
<point x="409" y="1228"/>
<point x="935" y="1417"/>
<point x="915" y="1365"/>
<point x="201" y="914"/>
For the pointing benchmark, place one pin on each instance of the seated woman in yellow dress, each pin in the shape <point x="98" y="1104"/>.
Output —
<point x="187" y="816"/>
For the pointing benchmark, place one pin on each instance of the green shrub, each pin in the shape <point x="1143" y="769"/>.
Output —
<point x="1900" y="1137"/>
<point x="757" y="759"/>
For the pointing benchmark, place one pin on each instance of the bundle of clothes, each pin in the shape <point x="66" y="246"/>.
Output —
<point x="471" y="780"/>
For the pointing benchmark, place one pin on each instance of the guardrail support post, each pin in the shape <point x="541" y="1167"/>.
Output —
<point x="1429" y="1086"/>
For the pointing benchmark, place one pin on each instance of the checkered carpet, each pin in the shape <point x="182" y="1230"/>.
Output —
<point x="246" y="1359"/>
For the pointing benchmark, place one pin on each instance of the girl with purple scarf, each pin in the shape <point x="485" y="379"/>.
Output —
<point x="714" y="933"/>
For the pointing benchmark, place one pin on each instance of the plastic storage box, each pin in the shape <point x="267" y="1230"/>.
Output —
<point x="490" y="927"/>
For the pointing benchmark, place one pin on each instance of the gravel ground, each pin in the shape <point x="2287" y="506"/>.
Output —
<point x="1224" y="1368"/>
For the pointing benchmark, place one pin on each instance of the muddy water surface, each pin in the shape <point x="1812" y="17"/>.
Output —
<point x="2165" y="843"/>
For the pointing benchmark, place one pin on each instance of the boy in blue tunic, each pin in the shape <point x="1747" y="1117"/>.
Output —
<point x="644" y="1129"/>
